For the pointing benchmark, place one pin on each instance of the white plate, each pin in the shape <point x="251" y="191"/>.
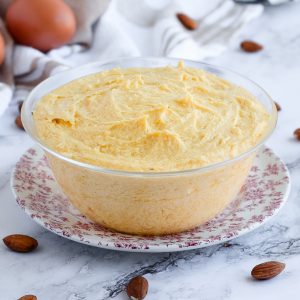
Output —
<point x="264" y="193"/>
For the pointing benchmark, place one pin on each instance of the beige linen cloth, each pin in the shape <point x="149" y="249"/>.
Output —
<point x="108" y="29"/>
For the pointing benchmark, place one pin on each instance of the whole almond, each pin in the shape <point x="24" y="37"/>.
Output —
<point x="28" y="297"/>
<point x="20" y="243"/>
<point x="137" y="288"/>
<point x="187" y="22"/>
<point x="19" y="123"/>
<point x="267" y="270"/>
<point x="250" y="46"/>
<point x="297" y="134"/>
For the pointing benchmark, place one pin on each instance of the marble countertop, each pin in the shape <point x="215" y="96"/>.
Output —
<point x="64" y="270"/>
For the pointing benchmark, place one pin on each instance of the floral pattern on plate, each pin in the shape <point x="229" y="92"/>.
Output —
<point x="264" y="193"/>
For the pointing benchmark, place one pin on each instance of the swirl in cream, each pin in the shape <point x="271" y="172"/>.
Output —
<point x="151" y="119"/>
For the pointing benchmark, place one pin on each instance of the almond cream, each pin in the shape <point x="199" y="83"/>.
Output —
<point x="155" y="120"/>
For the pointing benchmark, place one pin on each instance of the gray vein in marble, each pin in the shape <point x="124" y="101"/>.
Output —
<point x="160" y="266"/>
<point x="293" y="165"/>
<point x="76" y="297"/>
<point x="272" y="247"/>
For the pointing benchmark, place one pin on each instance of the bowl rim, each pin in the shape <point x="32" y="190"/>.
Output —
<point x="26" y="116"/>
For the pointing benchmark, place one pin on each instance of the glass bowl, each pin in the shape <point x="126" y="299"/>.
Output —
<point x="141" y="202"/>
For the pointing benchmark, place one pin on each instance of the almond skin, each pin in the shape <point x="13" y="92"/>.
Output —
<point x="20" y="243"/>
<point x="267" y="270"/>
<point x="28" y="297"/>
<point x="137" y="288"/>
<point x="297" y="134"/>
<point x="250" y="46"/>
<point x="187" y="22"/>
<point x="19" y="123"/>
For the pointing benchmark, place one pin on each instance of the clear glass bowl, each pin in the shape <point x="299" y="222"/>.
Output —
<point x="142" y="202"/>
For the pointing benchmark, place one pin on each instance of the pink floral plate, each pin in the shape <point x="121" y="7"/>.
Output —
<point x="262" y="196"/>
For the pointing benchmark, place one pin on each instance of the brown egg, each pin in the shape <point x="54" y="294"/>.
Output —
<point x="42" y="24"/>
<point x="2" y="49"/>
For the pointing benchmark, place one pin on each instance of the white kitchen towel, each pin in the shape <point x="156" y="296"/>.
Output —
<point x="127" y="28"/>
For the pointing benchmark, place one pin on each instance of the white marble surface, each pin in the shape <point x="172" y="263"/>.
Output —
<point x="64" y="270"/>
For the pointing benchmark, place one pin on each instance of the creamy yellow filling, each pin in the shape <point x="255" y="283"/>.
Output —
<point x="150" y="119"/>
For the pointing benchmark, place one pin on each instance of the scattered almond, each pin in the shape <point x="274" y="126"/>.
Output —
<point x="297" y="134"/>
<point x="267" y="270"/>
<point x="278" y="107"/>
<point x="250" y="46"/>
<point x="20" y="243"/>
<point x="28" y="297"/>
<point x="19" y="123"/>
<point x="137" y="288"/>
<point x="187" y="22"/>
